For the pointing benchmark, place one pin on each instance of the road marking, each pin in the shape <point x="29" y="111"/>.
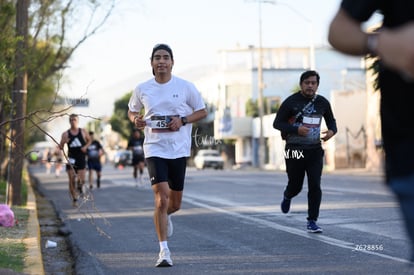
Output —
<point x="195" y="200"/>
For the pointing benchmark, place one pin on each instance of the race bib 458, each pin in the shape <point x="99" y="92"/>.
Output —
<point x="160" y="123"/>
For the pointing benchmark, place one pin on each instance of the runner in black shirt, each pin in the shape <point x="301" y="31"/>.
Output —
<point x="95" y="152"/>
<point x="77" y="141"/>
<point x="299" y="119"/>
<point x="135" y="144"/>
<point x="393" y="44"/>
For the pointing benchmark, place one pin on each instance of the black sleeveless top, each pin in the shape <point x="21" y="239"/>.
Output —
<point x="75" y="143"/>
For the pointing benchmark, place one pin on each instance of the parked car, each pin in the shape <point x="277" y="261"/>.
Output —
<point x="123" y="157"/>
<point x="208" y="158"/>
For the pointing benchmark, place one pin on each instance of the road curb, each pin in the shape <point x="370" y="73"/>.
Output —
<point x="33" y="259"/>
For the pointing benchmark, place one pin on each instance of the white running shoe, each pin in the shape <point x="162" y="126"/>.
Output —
<point x="164" y="258"/>
<point x="170" y="228"/>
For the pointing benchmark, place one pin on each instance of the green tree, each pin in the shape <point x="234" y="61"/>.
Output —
<point x="252" y="108"/>
<point x="46" y="53"/>
<point x="119" y="120"/>
<point x="49" y="51"/>
<point x="7" y="46"/>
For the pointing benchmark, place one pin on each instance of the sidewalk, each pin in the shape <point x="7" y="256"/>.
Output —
<point x="33" y="258"/>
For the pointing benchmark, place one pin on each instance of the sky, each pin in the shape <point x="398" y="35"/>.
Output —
<point x="116" y="59"/>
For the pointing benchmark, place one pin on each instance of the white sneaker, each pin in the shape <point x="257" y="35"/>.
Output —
<point x="170" y="228"/>
<point x="164" y="258"/>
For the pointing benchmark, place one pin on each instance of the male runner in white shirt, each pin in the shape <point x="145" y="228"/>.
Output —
<point x="170" y="105"/>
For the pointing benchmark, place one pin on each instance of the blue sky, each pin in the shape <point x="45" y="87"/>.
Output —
<point x="195" y="29"/>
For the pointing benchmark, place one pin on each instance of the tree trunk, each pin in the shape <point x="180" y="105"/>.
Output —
<point x="19" y="107"/>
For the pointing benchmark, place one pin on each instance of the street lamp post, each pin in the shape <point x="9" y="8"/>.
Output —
<point x="261" y="86"/>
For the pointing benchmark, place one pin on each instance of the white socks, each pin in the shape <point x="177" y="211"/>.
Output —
<point x="163" y="245"/>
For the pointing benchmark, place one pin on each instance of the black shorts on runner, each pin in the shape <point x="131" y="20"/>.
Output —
<point x="94" y="165"/>
<point x="170" y="170"/>
<point x="79" y="164"/>
<point x="136" y="159"/>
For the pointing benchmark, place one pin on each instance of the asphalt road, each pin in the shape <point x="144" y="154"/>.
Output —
<point x="231" y="223"/>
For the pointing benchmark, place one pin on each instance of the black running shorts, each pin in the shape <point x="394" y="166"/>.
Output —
<point x="170" y="170"/>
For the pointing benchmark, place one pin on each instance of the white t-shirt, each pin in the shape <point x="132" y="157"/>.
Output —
<point x="176" y="97"/>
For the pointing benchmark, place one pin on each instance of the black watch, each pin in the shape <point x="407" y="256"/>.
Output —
<point x="184" y="120"/>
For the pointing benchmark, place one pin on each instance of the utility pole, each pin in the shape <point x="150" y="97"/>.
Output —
<point x="260" y="89"/>
<point x="19" y="97"/>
